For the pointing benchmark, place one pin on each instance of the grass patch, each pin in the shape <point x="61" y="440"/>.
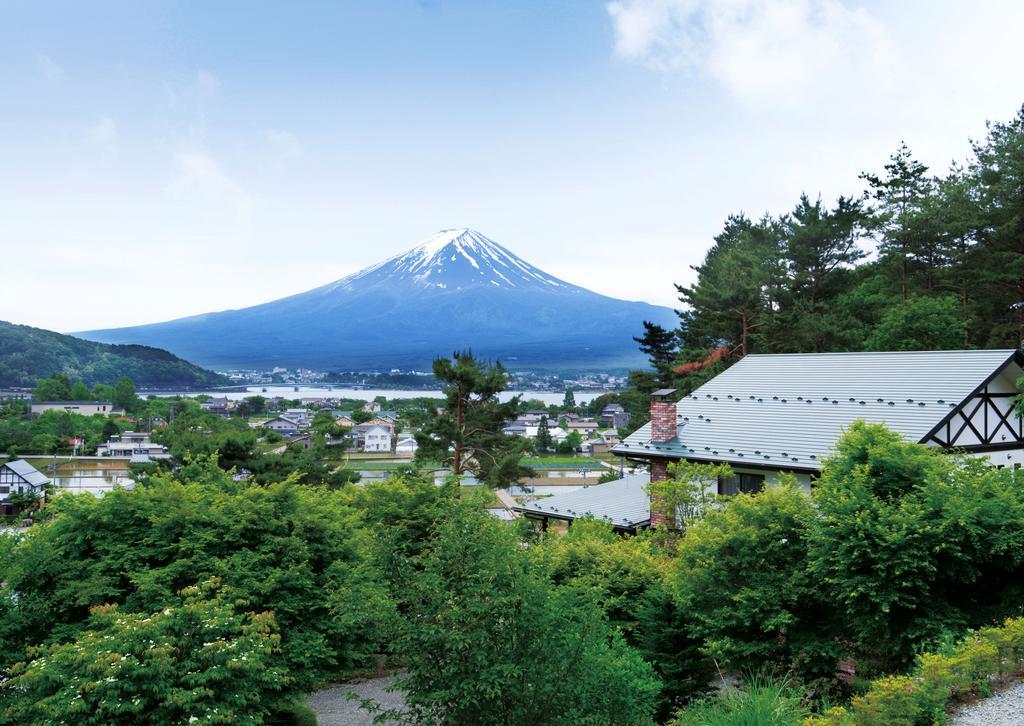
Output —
<point x="760" y="701"/>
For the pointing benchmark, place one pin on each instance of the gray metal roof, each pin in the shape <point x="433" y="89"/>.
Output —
<point x="65" y="403"/>
<point x="622" y="503"/>
<point x="787" y="411"/>
<point x="29" y="473"/>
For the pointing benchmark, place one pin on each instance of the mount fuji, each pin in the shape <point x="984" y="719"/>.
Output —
<point x="456" y="290"/>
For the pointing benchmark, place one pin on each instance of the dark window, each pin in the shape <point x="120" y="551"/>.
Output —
<point x="746" y="483"/>
<point x="4" y="490"/>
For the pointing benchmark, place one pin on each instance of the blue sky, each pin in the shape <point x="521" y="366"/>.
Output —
<point x="165" y="159"/>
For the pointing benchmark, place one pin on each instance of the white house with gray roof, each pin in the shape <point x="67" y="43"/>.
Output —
<point x="783" y="413"/>
<point x="19" y="477"/>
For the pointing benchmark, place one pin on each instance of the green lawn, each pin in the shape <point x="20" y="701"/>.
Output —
<point x="488" y="498"/>
<point x="562" y="462"/>
<point x="381" y="465"/>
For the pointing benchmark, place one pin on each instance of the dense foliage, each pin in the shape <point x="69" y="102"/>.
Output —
<point x="28" y="354"/>
<point x="197" y="659"/>
<point x="899" y="548"/>
<point x="296" y="551"/>
<point x="912" y="543"/>
<point x="53" y="431"/>
<point x="490" y="639"/>
<point x="950" y="248"/>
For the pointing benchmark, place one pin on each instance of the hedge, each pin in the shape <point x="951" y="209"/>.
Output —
<point x="986" y="657"/>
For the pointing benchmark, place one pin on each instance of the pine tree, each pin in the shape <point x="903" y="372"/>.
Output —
<point x="467" y="433"/>
<point x="956" y="215"/>
<point x="998" y="172"/>
<point x="820" y="245"/>
<point x="898" y="196"/>
<point x="661" y="347"/>
<point x="737" y="288"/>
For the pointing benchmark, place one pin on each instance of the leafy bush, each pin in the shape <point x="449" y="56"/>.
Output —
<point x="296" y="551"/>
<point x="742" y="574"/>
<point x="629" y="581"/>
<point x="195" y="660"/>
<point x="293" y="713"/>
<point x="488" y="638"/>
<point x="905" y="535"/>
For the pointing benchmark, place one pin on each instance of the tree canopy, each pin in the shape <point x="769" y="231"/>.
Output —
<point x="467" y="433"/>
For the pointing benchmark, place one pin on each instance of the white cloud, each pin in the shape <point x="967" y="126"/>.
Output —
<point x="285" y="142"/>
<point x="761" y="51"/>
<point x="206" y="86"/>
<point x="102" y="133"/>
<point x="49" y="68"/>
<point x="200" y="177"/>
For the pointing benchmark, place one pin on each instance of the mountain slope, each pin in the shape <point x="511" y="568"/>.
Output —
<point x="28" y="354"/>
<point x="456" y="290"/>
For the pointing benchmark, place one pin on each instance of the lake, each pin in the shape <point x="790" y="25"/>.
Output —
<point x="368" y="394"/>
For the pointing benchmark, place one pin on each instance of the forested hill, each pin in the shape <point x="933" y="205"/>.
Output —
<point x="28" y="354"/>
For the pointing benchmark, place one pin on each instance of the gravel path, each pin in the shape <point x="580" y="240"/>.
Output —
<point x="334" y="709"/>
<point x="1005" y="708"/>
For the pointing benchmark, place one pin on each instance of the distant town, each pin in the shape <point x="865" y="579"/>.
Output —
<point x="395" y="378"/>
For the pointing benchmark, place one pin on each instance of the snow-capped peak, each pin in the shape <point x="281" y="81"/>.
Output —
<point x="456" y="259"/>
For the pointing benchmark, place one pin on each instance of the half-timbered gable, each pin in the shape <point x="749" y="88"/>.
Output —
<point x="19" y="477"/>
<point x="986" y="422"/>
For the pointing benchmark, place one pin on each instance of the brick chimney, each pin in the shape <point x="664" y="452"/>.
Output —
<point x="663" y="430"/>
<point x="663" y="416"/>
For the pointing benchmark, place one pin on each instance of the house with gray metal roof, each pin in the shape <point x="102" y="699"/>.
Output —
<point x="19" y="477"/>
<point x="783" y="413"/>
<point x="623" y="503"/>
<point x="83" y="408"/>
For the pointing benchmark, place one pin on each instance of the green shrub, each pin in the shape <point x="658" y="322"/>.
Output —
<point x="293" y="713"/>
<point x="913" y="544"/>
<point x="758" y="702"/>
<point x="891" y="701"/>
<point x="488" y="638"/>
<point x="742" y="576"/>
<point x="923" y="696"/>
<point x="199" y="659"/>
<point x="296" y="551"/>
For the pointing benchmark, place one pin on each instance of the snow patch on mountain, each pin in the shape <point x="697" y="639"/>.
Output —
<point x="453" y="259"/>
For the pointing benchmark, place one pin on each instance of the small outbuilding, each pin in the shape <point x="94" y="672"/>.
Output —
<point x="622" y="503"/>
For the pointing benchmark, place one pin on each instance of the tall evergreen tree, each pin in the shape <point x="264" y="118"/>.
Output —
<point x="124" y="394"/>
<point x="820" y="246"/>
<point x="661" y="348"/>
<point x="998" y="172"/>
<point x="736" y="288"/>
<point x="898" y="195"/>
<point x="955" y="214"/>
<point x="544" y="441"/>
<point x="569" y="400"/>
<point x="467" y="433"/>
